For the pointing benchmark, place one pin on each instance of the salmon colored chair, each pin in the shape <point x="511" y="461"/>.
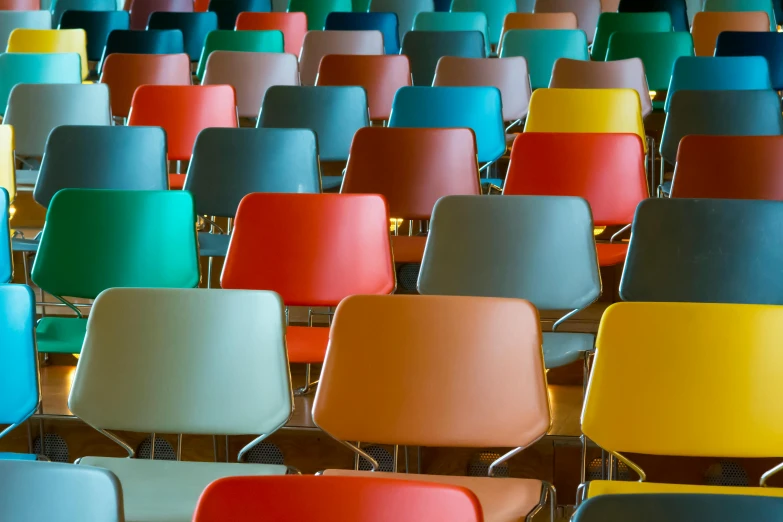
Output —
<point x="334" y="499"/>
<point x="318" y="44"/>
<point x="326" y="247"/>
<point x="20" y="5"/>
<point x="408" y="167"/>
<point x="540" y="21"/>
<point x="124" y="73"/>
<point x="605" y="169"/>
<point x="447" y="371"/>
<point x="586" y="11"/>
<point x="50" y="41"/>
<point x="610" y="6"/>
<point x="707" y="26"/>
<point x="183" y="111"/>
<point x="292" y="25"/>
<point x="380" y="76"/>
<point x="140" y="10"/>
<point x="729" y="167"/>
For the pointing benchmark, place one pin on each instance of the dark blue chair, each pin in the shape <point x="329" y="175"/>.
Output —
<point x="768" y="45"/>
<point x="443" y="5"/>
<point x="98" y="25"/>
<point x="386" y="23"/>
<point x="228" y="10"/>
<point x="194" y="26"/>
<point x="168" y="41"/>
<point x="676" y="8"/>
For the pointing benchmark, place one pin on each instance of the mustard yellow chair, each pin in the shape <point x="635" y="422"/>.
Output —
<point x="7" y="166"/>
<point x="50" y="41"/>
<point x="706" y="384"/>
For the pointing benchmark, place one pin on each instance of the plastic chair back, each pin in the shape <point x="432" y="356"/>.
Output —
<point x="244" y="41"/>
<point x="228" y="10"/>
<point x="586" y="11"/>
<point x="10" y="20"/>
<point x="6" y="261"/>
<point x="425" y="48"/>
<point x="194" y="27"/>
<point x="679" y="508"/>
<point x="610" y="23"/>
<point x="542" y="48"/>
<point x="733" y="6"/>
<point x="334" y="113"/>
<point x="539" y="21"/>
<point x="318" y="10"/>
<point x="318" y="44"/>
<point x="768" y="45"/>
<point x="20" y="5"/>
<point x="168" y="41"/>
<point x="381" y="77"/>
<point x="312" y="266"/>
<point x="495" y="11"/>
<point x="50" y="41"/>
<point x="16" y="68"/>
<point x="229" y="164"/>
<point x="406" y="11"/>
<point x="58" y="7"/>
<point x="183" y="111"/>
<point x="141" y="10"/>
<point x="707" y="26"/>
<point x="98" y="25"/>
<point x="611" y="6"/>
<point x="19" y="383"/>
<point x="292" y="25"/>
<point x="677" y="10"/>
<point x="7" y="165"/>
<point x="658" y="52"/>
<point x="438" y="21"/>
<point x="386" y="23"/>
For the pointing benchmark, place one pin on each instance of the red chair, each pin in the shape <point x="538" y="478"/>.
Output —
<point x="605" y="169"/>
<point x="334" y="499"/>
<point x="183" y="111"/>
<point x="292" y="25"/>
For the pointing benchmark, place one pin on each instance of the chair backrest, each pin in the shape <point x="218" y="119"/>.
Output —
<point x="102" y="157"/>
<point x="81" y="257"/>
<point x="240" y="41"/>
<point x="20" y="5"/>
<point x="658" y="52"/>
<point x="154" y="41"/>
<point x="611" y="6"/>
<point x="609" y="23"/>
<point x="334" y="113"/>
<point x="7" y="163"/>
<point x="292" y="25"/>
<point x="733" y="6"/>
<point x="586" y="11"/>
<point x="320" y="499"/>
<point x="448" y="21"/>
<point x="380" y="76"/>
<point x="425" y="48"/>
<point x="542" y="48"/>
<point x="98" y="25"/>
<point x="35" y="109"/>
<point x="741" y="113"/>
<point x="670" y="413"/>
<point x="205" y="396"/>
<point x="50" y="41"/>
<point x="405" y="10"/>
<point x="228" y="10"/>
<point x="412" y="168"/>
<point x="194" y="27"/>
<point x="495" y="11"/>
<point x="58" y="7"/>
<point x="141" y="10"/>
<point x="539" y="21"/>
<point x="477" y="108"/>
<point x="312" y="266"/>
<point x="466" y="389"/>
<point x="747" y="167"/>
<point x="707" y="26"/>
<point x="677" y="10"/>
<point x="19" y="383"/>
<point x="386" y="23"/>
<point x="183" y="111"/>
<point x="10" y="20"/>
<point x="318" y="44"/>
<point x="229" y="164"/>
<point x="768" y="45"/>
<point x="318" y="10"/>
<point x="605" y="169"/>
<point x="92" y="493"/>
<point x="16" y="68"/>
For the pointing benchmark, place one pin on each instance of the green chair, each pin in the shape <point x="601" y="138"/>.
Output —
<point x="542" y="48"/>
<point x="438" y="21"/>
<point x="98" y="239"/>
<point x="495" y="10"/>
<point x="247" y="41"/>
<point x="610" y="23"/>
<point x="318" y="10"/>
<point x="729" y="6"/>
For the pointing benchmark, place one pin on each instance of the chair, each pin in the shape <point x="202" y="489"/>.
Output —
<point x="768" y="45"/>
<point x="318" y="44"/>
<point x="98" y="25"/>
<point x="35" y="109"/>
<point x="50" y="41"/>
<point x="728" y="6"/>
<point x="333" y="113"/>
<point x="81" y="258"/>
<point x="154" y="41"/>
<point x="407" y="166"/>
<point x="525" y="6"/>
<point x="658" y="52"/>
<point x="445" y="22"/>
<point x="425" y="48"/>
<point x="707" y="26"/>
<point x="141" y="10"/>
<point x="244" y="41"/>
<point x="318" y="10"/>
<point x="386" y="23"/>
<point x="731" y="167"/>
<point x="380" y="76"/>
<point x="229" y="164"/>
<point x="16" y="68"/>
<point x="735" y="340"/>
<point x="124" y="73"/>
<point x="539" y="21"/>
<point x="10" y="20"/>
<point x="586" y="11"/>
<point x="406" y="11"/>
<point x="619" y="74"/>
<point x="610" y="23"/>
<point x="542" y="48"/>
<point x="677" y="10"/>
<point x="495" y="11"/>
<point x="605" y="169"/>
<point x="124" y="335"/>
<point x="462" y="382"/>
<point x="92" y="494"/>
<point x="292" y="25"/>
<point x="611" y="6"/>
<point x="319" y="499"/>
<point x="20" y="5"/>
<point x="194" y="27"/>
<point x="251" y="74"/>
<point x="58" y="7"/>
<point x="228" y="10"/>
<point x="509" y="75"/>
<point x="7" y="165"/>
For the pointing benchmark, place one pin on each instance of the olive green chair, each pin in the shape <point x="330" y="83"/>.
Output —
<point x="439" y="21"/>
<point x="542" y="48"/>
<point x="318" y="10"/>
<point x="247" y="41"/>
<point x="610" y="23"/>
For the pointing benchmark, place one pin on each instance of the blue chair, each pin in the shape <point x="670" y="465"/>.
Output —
<point x="194" y="26"/>
<point x="58" y="7"/>
<point x="442" y="5"/>
<point x="16" y="68"/>
<point x="425" y="48"/>
<point x="768" y="45"/>
<point x="98" y="25"/>
<point x="6" y="261"/>
<point x="168" y="41"/>
<point x="228" y="10"/>
<point x="386" y="23"/>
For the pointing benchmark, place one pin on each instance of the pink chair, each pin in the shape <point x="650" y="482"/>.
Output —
<point x="318" y="44"/>
<point x="140" y="10"/>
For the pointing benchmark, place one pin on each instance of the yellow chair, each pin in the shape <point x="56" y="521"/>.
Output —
<point x="706" y="384"/>
<point x="50" y="41"/>
<point x="7" y="166"/>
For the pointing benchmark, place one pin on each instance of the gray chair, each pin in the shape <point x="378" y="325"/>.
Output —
<point x="705" y="251"/>
<point x="74" y="493"/>
<point x="425" y="48"/>
<point x="539" y="248"/>
<point x="333" y="113"/>
<point x="10" y="20"/>
<point x="406" y="11"/>
<point x="228" y="164"/>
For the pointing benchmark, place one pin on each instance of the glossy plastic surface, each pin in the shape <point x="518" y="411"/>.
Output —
<point x="768" y="45"/>
<point x="98" y="25"/>
<point x="425" y="48"/>
<point x="194" y="27"/>
<point x="495" y="11"/>
<point x="19" y="383"/>
<point x="609" y="23"/>
<point x="539" y="21"/>
<point x="658" y="52"/>
<point x="244" y="41"/>
<point x="228" y="10"/>
<point x="292" y="25"/>
<point x="10" y="20"/>
<point x="7" y="165"/>
<point x="707" y="26"/>
<point x="318" y="10"/>
<point x="16" y="68"/>
<point x="318" y="44"/>
<point x="141" y="10"/>
<point x="677" y="10"/>
<point x="406" y="11"/>
<point x="155" y="41"/>
<point x="20" y="5"/>
<point x="449" y="21"/>
<point x="733" y="6"/>
<point x="386" y="23"/>
<point x="50" y="41"/>
<point x="542" y="48"/>
<point x="58" y="7"/>
<point x="586" y="11"/>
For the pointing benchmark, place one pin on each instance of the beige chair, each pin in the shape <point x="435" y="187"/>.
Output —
<point x="586" y="11"/>
<point x="707" y="26"/>
<point x="251" y="74"/>
<point x="318" y="44"/>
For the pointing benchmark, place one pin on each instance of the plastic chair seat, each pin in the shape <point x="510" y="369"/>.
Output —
<point x="18" y="456"/>
<point x="563" y="348"/>
<point x="60" y="334"/>
<point x="408" y="249"/>
<point x="306" y="344"/>
<point x="24" y="244"/>
<point x="606" y="487"/>
<point x="168" y="491"/>
<point x="610" y="254"/>
<point x="331" y="182"/>
<point x="213" y="245"/>
<point x="502" y="500"/>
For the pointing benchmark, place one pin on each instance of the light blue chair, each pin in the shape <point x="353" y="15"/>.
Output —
<point x="16" y="68"/>
<point x="6" y="265"/>
<point x="496" y="11"/>
<point x="10" y="20"/>
<point x="542" y="48"/>
<point x="439" y="21"/>
<point x="58" y="7"/>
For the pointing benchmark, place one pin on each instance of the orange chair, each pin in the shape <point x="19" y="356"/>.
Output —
<point x="605" y="169"/>
<point x="334" y="499"/>
<point x="313" y="250"/>
<point x="292" y="25"/>
<point x="20" y="5"/>
<point x="707" y="26"/>
<point x="540" y="21"/>
<point x="412" y="169"/>
<point x="729" y="167"/>
<point x="380" y="76"/>
<point x="201" y="6"/>
<point x="183" y="111"/>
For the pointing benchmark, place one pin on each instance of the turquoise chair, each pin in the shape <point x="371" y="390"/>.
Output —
<point x="542" y="48"/>
<point x="437" y="21"/>
<point x="16" y="68"/>
<point x="610" y="23"/>
<point x="6" y="261"/>
<point x="58" y="7"/>
<point x="318" y="10"/>
<point x="725" y="73"/>
<point x="243" y="41"/>
<point x="743" y="6"/>
<point x="495" y="10"/>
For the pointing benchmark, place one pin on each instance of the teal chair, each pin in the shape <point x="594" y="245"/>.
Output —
<point x="438" y="21"/>
<point x="495" y="10"/>
<point x="6" y="261"/>
<point x="16" y="68"/>
<point x="743" y="6"/>
<point x="542" y="48"/>
<point x="318" y="10"/>
<point x="245" y="41"/>
<point x="658" y="52"/>
<point x="610" y="23"/>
